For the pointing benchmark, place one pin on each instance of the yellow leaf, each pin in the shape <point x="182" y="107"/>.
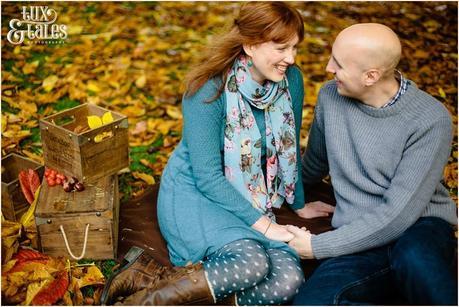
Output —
<point x="29" y="68"/>
<point x="133" y="111"/>
<point x="28" y="217"/>
<point x="17" y="134"/>
<point x="33" y="289"/>
<point x="145" y="177"/>
<point x="18" y="278"/>
<point x="72" y="29"/>
<point x="92" y="86"/>
<point x="107" y="118"/>
<point x="40" y="275"/>
<point x="93" y="276"/>
<point x="174" y="112"/>
<point x="4" y="122"/>
<point x="29" y="108"/>
<point x="10" y="228"/>
<point x="94" y="121"/>
<point x="49" y="82"/>
<point x="33" y="156"/>
<point x="441" y="92"/>
<point x="140" y="82"/>
<point x="8" y="266"/>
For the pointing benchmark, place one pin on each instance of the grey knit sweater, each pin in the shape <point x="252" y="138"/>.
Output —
<point x="385" y="165"/>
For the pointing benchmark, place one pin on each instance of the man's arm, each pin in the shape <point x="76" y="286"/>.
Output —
<point x="403" y="203"/>
<point x="314" y="161"/>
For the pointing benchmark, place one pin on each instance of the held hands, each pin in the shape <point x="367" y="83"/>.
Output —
<point x="301" y="242"/>
<point x="315" y="209"/>
<point x="272" y="230"/>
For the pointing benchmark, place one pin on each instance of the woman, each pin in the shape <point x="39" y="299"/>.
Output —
<point x="239" y="158"/>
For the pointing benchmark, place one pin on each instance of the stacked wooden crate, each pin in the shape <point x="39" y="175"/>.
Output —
<point x="14" y="204"/>
<point x="82" y="224"/>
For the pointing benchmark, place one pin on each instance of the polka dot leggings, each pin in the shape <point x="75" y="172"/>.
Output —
<point x="257" y="276"/>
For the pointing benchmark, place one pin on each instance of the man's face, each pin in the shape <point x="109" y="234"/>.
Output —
<point x="348" y="74"/>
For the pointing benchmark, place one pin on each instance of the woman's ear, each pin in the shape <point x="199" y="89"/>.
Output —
<point x="248" y="49"/>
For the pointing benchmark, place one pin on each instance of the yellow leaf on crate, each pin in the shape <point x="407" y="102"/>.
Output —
<point x="141" y="81"/>
<point x="94" y="121"/>
<point x="28" y="218"/>
<point x="145" y="177"/>
<point x="93" y="276"/>
<point x="33" y="289"/>
<point x="107" y="118"/>
<point x="49" y="82"/>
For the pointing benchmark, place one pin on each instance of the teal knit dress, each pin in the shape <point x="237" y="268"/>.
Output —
<point x="199" y="211"/>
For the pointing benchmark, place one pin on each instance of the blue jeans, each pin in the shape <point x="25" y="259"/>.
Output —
<point x="418" y="267"/>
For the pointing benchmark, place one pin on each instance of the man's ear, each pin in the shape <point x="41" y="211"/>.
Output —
<point x="248" y="49"/>
<point x="372" y="76"/>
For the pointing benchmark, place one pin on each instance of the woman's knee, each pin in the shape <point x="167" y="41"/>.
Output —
<point x="247" y="258"/>
<point x="287" y="276"/>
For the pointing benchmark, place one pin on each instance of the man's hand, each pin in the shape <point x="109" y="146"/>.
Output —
<point x="302" y="242"/>
<point x="315" y="209"/>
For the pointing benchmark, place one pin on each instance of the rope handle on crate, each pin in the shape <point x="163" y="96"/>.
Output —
<point x="67" y="243"/>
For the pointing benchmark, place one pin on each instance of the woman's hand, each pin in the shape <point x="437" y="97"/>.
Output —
<point x="279" y="233"/>
<point x="315" y="209"/>
<point x="272" y="230"/>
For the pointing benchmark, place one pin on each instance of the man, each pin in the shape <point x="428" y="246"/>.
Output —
<point x="384" y="143"/>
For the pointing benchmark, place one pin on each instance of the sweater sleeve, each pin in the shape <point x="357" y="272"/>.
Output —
<point x="315" y="162"/>
<point x="296" y="88"/>
<point x="201" y="132"/>
<point x="410" y="191"/>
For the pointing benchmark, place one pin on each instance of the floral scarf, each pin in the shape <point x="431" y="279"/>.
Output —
<point x="243" y="139"/>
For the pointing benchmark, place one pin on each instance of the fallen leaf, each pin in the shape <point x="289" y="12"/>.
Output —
<point x="145" y="177"/>
<point x="50" y="82"/>
<point x="140" y="82"/>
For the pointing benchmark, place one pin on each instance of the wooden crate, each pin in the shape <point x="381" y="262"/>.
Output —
<point x="78" y="154"/>
<point x="96" y="206"/>
<point x="14" y="204"/>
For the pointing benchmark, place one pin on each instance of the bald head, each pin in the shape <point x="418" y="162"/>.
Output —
<point x="373" y="45"/>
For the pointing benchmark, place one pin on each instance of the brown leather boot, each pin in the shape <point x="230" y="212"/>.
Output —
<point x="141" y="271"/>
<point x="187" y="287"/>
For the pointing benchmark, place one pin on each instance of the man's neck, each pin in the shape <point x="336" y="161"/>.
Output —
<point x="379" y="94"/>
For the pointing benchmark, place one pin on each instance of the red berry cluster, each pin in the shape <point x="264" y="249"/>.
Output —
<point x="69" y="184"/>
<point x="53" y="177"/>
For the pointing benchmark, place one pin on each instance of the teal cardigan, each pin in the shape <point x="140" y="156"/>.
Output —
<point x="193" y="185"/>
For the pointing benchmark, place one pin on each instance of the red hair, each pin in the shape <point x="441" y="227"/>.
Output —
<point x="258" y="22"/>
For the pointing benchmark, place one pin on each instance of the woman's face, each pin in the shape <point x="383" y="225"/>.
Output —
<point x="270" y="59"/>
